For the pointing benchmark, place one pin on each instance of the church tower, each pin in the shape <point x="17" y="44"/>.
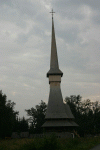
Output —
<point x="58" y="115"/>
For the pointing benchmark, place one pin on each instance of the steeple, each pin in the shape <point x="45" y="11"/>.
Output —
<point x="58" y="115"/>
<point x="54" y="66"/>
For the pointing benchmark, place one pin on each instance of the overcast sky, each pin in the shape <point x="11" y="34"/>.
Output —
<point x="25" y="44"/>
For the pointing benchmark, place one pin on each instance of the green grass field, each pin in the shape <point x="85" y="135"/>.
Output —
<point x="49" y="144"/>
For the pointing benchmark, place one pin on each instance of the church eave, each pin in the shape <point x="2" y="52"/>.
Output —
<point x="59" y="123"/>
<point x="54" y="72"/>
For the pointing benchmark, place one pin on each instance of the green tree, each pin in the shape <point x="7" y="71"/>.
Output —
<point x="21" y="125"/>
<point x="7" y="116"/>
<point x="86" y="113"/>
<point x="37" y="115"/>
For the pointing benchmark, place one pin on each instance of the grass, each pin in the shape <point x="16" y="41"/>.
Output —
<point x="49" y="143"/>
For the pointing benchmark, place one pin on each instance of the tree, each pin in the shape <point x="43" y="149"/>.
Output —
<point x="21" y="125"/>
<point x="7" y="116"/>
<point x="86" y="113"/>
<point x="37" y="115"/>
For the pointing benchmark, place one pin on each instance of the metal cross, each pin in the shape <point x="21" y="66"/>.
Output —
<point x="52" y="13"/>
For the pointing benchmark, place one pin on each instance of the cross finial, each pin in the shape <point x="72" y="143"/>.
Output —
<point x="52" y="12"/>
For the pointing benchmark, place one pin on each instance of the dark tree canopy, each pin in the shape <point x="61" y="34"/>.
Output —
<point x="21" y="125"/>
<point x="86" y="113"/>
<point x="37" y="115"/>
<point x="7" y="116"/>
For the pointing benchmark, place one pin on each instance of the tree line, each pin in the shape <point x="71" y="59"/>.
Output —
<point x="9" y="121"/>
<point x="86" y="113"/>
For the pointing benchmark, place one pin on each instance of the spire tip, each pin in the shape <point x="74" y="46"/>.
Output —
<point x="52" y="12"/>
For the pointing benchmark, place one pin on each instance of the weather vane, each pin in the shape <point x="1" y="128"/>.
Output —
<point x="52" y="12"/>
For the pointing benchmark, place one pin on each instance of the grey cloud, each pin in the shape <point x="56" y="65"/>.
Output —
<point x="96" y="17"/>
<point x="70" y="35"/>
<point x="22" y="38"/>
<point x="5" y="2"/>
<point x="76" y="3"/>
<point x="18" y="11"/>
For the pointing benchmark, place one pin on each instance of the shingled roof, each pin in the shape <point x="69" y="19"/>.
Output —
<point x="59" y="123"/>
<point x="54" y="66"/>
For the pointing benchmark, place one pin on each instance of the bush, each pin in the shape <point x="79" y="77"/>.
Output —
<point x="29" y="146"/>
<point x="50" y="143"/>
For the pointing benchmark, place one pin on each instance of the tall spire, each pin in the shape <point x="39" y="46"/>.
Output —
<point x="54" y="57"/>
<point x="58" y="115"/>
<point x="54" y="66"/>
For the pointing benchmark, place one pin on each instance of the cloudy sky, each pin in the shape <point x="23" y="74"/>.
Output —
<point x="25" y="44"/>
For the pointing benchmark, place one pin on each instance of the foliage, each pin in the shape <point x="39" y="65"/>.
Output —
<point x="50" y="143"/>
<point x="21" y="125"/>
<point x="46" y="143"/>
<point x="7" y="116"/>
<point x="37" y="117"/>
<point x="86" y="113"/>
